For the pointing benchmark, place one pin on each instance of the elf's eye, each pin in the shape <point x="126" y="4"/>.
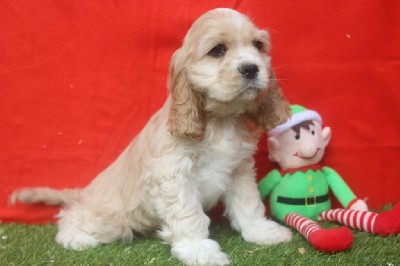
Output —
<point x="218" y="51"/>
<point x="313" y="132"/>
<point x="297" y="137"/>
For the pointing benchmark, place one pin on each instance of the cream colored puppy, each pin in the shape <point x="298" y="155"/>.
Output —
<point x="195" y="151"/>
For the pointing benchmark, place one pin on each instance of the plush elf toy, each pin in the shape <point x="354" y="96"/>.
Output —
<point x="298" y="191"/>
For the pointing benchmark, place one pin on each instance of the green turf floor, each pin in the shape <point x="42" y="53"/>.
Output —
<point x="35" y="245"/>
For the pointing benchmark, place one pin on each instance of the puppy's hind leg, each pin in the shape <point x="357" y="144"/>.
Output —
<point x="81" y="227"/>
<point x="185" y="225"/>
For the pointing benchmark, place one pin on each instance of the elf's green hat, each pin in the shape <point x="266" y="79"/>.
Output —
<point x="299" y="114"/>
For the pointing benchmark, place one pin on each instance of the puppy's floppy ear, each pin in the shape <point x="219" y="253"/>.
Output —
<point x="273" y="109"/>
<point x="187" y="115"/>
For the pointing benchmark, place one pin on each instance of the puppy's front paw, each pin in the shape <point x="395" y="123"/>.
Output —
<point x="202" y="252"/>
<point x="266" y="232"/>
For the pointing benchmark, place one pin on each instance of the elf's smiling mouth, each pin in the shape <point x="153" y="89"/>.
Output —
<point x="297" y="154"/>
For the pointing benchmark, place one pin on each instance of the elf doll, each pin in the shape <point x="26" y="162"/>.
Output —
<point x="298" y="191"/>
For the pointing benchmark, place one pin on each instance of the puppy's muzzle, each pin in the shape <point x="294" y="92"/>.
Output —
<point x="249" y="71"/>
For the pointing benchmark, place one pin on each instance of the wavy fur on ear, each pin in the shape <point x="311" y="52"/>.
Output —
<point x="186" y="116"/>
<point x="274" y="109"/>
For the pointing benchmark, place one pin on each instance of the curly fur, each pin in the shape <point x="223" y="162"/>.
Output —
<point x="195" y="151"/>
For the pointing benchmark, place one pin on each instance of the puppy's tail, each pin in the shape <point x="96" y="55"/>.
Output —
<point x="44" y="195"/>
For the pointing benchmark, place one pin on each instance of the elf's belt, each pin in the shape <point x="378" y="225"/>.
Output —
<point x="303" y="201"/>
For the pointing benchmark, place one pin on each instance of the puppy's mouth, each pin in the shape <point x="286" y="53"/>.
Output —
<point x="251" y="89"/>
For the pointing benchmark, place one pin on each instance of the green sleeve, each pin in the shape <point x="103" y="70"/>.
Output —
<point x="268" y="183"/>
<point x="341" y="190"/>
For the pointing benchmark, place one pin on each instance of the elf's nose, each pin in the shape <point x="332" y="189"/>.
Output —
<point x="309" y="151"/>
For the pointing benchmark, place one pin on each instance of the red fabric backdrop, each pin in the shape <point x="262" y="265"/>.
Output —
<point x="79" y="79"/>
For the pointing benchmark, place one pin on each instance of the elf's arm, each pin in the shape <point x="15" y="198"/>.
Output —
<point x="342" y="191"/>
<point x="268" y="183"/>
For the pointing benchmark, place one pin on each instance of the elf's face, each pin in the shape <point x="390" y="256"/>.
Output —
<point x="294" y="150"/>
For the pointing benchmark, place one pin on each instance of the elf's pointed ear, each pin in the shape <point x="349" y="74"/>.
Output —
<point x="273" y="148"/>
<point x="326" y="135"/>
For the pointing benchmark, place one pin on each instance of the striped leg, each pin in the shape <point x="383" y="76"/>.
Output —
<point x="360" y="220"/>
<point x="384" y="224"/>
<point x="302" y="224"/>
<point x="327" y="240"/>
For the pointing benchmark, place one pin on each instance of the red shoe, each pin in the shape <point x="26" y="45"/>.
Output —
<point x="388" y="223"/>
<point x="331" y="240"/>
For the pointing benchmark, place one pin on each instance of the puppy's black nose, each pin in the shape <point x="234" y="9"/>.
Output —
<point x="249" y="71"/>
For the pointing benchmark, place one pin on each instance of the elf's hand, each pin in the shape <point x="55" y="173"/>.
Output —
<point x="357" y="205"/>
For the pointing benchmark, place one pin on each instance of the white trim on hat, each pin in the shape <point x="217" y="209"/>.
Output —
<point x="295" y="120"/>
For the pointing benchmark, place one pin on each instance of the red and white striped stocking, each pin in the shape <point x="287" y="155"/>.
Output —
<point x="302" y="224"/>
<point x="360" y="220"/>
<point x="327" y="240"/>
<point x="384" y="224"/>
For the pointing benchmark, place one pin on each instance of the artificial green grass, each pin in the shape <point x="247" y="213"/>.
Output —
<point x="35" y="245"/>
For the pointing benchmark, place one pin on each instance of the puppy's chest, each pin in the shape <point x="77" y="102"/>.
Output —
<point x="224" y="150"/>
<point x="226" y="145"/>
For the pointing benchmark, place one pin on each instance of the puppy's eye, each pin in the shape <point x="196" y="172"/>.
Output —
<point x="218" y="51"/>
<point x="258" y="45"/>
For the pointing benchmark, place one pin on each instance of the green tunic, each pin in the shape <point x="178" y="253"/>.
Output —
<point x="300" y="185"/>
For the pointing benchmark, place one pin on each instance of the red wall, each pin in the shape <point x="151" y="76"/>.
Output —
<point x="79" y="79"/>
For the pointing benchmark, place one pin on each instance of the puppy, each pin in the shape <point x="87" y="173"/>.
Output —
<point x="195" y="151"/>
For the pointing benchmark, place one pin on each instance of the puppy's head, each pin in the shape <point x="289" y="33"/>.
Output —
<point x="222" y="69"/>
